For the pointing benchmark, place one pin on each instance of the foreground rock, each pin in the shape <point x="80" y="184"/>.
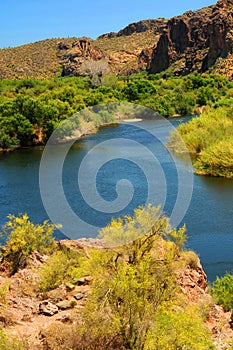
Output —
<point x="48" y="309"/>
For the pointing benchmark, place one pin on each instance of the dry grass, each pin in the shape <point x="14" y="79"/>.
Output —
<point x="39" y="60"/>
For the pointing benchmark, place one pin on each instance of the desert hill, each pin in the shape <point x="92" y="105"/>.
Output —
<point x="195" y="41"/>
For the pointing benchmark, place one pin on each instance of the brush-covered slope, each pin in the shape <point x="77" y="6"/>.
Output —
<point x="195" y="41"/>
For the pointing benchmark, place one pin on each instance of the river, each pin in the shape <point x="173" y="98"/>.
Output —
<point x="208" y="217"/>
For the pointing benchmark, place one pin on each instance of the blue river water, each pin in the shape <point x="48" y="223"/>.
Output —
<point x="208" y="217"/>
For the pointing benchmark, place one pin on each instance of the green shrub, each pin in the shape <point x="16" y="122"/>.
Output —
<point x="209" y="138"/>
<point x="217" y="160"/>
<point x="11" y="343"/>
<point x="222" y="291"/>
<point x="175" y="328"/>
<point x="23" y="237"/>
<point x="60" y="267"/>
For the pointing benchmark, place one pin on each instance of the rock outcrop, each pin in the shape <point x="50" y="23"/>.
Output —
<point x="195" y="40"/>
<point x="138" y="27"/>
<point x="73" y="57"/>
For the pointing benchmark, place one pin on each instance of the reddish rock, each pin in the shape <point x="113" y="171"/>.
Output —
<point x="82" y="50"/>
<point x="138" y="27"/>
<point x="198" y="38"/>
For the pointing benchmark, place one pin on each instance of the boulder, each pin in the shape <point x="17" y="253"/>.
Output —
<point x="79" y="296"/>
<point x="47" y="308"/>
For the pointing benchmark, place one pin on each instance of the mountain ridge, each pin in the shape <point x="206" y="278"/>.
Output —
<point x="199" y="41"/>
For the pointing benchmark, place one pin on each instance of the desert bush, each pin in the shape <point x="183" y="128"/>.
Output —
<point x="67" y="337"/>
<point x="59" y="336"/>
<point x="60" y="267"/>
<point x="176" y="328"/>
<point x="8" y="317"/>
<point x="190" y="258"/>
<point x="222" y="291"/>
<point x="133" y="293"/>
<point x="23" y="237"/>
<point x="7" y="342"/>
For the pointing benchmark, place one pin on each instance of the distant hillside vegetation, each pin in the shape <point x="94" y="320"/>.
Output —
<point x="199" y="41"/>
<point x="37" y="60"/>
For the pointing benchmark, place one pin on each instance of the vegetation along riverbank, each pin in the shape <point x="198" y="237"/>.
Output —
<point x="209" y="139"/>
<point x="135" y="286"/>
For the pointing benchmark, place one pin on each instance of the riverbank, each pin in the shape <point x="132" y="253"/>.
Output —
<point x="210" y="139"/>
<point x="88" y="129"/>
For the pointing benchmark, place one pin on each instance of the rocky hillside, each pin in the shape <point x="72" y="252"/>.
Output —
<point x="195" y="41"/>
<point x="51" y="320"/>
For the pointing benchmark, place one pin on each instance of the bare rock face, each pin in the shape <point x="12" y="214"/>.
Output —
<point x="139" y="27"/>
<point x="156" y="24"/>
<point x="192" y="282"/>
<point x="145" y="57"/>
<point x="72" y="57"/>
<point x="195" y="39"/>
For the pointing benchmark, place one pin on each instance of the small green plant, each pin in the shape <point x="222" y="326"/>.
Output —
<point x="190" y="258"/>
<point x="176" y="328"/>
<point x="60" y="267"/>
<point x="222" y="291"/>
<point x="23" y="237"/>
<point x="12" y="343"/>
<point x="4" y="289"/>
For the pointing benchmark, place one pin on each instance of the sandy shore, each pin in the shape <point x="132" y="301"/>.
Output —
<point x="131" y="120"/>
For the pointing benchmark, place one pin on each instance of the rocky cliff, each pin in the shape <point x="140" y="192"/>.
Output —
<point x="139" y="27"/>
<point x="195" y="40"/>
<point x="74" y="55"/>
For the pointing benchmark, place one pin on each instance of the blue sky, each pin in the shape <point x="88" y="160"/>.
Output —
<point x="25" y="21"/>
